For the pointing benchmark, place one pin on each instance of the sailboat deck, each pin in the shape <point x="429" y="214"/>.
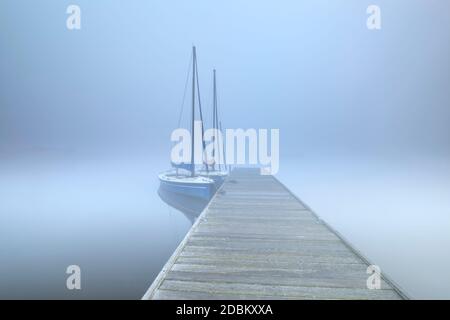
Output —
<point x="256" y="240"/>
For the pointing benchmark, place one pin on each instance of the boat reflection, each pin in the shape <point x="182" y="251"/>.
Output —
<point x="190" y="206"/>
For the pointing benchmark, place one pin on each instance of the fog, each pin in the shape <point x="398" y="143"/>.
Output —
<point x="359" y="112"/>
<point x="310" y="68"/>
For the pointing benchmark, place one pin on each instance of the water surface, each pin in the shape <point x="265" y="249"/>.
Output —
<point x="105" y="215"/>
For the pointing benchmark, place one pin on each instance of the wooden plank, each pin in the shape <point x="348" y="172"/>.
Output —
<point x="257" y="240"/>
<point x="302" y="270"/>
<point x="275" y="257"/>
<point x="297" y="263"/>
<point x="262" y="237"/>
<point x="273" y="278"/>
<point x="206" y="290"/>
<point x="270" y="245"/>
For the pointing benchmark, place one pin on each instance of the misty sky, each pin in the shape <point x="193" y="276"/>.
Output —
<point x="310" y="68"/>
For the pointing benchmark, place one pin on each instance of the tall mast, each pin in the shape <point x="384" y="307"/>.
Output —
<point x="214" y="125"/>
<point x="223" y="146"/>
<point x="216" y="116"/>
<point x="214" y="101"/>
<point x="201" y="117"/>
<point x="193" y="111"/>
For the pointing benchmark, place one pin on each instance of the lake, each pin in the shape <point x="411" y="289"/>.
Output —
<point x="105" y="215"/>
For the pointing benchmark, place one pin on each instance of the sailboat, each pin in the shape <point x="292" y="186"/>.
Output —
<point x="217" y="172"/>
<point x="184" y="179"/>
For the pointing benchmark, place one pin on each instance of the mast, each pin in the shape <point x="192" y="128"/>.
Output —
<point x="214" y="100"/>
<point x="214" y="116"/>
<point x="193" y="111"/>
<point x="204" y="157"/>
<point x="223" y="146"/>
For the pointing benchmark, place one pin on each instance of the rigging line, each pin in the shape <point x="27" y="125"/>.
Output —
<point x="215" y="120"/>
<point x="216" y="111"/>
<point x="198" y="93"/>
<point x="219" y="123"/>
<point x="227" y="167"/>
<point x="201" y="114"/>
<point x="223" y="147"/>
<point x="185" y="89"/>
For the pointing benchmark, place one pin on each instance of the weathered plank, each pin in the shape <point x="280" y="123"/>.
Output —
<point x="256" y="240"/>
<point x="202" y="290"/>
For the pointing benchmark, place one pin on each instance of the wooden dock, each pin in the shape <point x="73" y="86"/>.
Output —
<point x="256" y="240"/>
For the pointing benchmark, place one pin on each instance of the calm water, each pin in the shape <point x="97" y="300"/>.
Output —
<point x="107" y="217"/>
<point x="395" y="211"/>
<point x="104" y="216"/>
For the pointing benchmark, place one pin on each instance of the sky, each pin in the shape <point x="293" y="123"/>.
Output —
<point x="310" y="68"/>
<point x="342" y="96"/>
